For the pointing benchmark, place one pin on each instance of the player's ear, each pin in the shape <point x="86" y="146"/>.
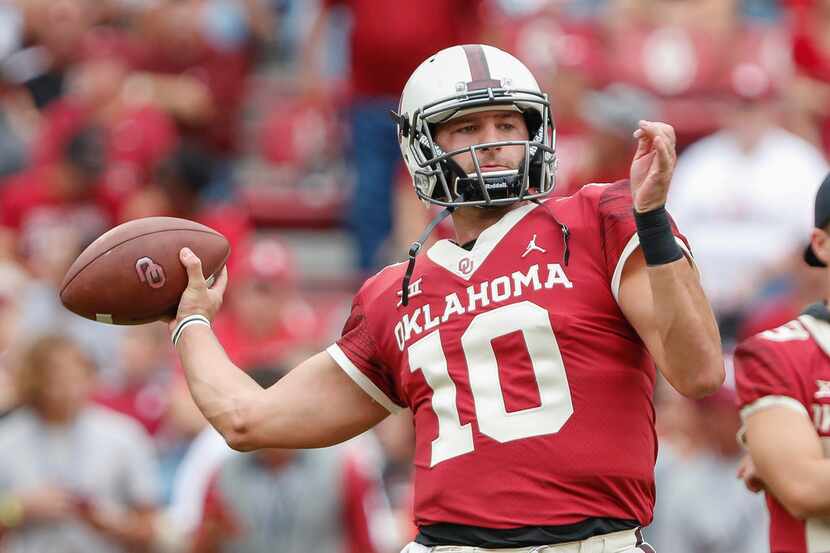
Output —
<point x="820" y="241"/>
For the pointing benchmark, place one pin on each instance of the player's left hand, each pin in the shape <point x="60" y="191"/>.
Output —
<point x="653" y="165"/>
<point x="94" y="516"/>
<point x="747" y="473"/>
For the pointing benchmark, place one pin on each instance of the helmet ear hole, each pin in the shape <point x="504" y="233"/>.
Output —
<point x="533" y="120"/>
<point x="402" y="121"/>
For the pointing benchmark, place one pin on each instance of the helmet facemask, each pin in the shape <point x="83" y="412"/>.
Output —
<point x="440" y="180"/>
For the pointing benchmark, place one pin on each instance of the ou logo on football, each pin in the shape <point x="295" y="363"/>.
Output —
<point x="150" y="272"/>
<point x="465" y="265"/>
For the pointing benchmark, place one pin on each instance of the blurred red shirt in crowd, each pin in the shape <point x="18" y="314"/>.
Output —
<point x="223" y="73"/>
<point x="811" y="54"/>
<point x="174" y="63"/>
<point x="84" y="166"/>
<point x="137" y="138"/>
<point x="265" y="321"/>
<point x="141" y="389"/>
<point x="146" y="403"/>
<point x="389" y="39"/>
<point x="690" y="68"/>
<point x="566" y="58"/>
<point x="40" y="197"/>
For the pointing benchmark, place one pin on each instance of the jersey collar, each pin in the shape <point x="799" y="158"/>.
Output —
<point x="819" y="329"/>
<point x="818" y="310"/>
<point x="463" y="263"/>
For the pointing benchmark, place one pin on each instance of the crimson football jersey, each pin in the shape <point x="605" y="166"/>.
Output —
<point x="789" y="366"/>
<point x="531" y="392"/>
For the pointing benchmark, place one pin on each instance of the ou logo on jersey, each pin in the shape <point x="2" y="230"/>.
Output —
<point x="465" y="265"/>
<point x="150" y="273"/>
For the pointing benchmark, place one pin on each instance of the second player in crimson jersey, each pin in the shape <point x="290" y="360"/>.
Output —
<point x="788" y="368"/>
<point x="783" y="381"/>
<point x="523" y="347"/>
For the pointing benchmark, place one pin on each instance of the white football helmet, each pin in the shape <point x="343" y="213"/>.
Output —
<point x="464" y="79"/>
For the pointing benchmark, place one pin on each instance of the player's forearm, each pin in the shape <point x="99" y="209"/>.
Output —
<point x="804" y="488"/>
<point x="219" y="388"/>
<point x="788" y="459"/>
<point x="315" y="405"/>
<point x="692" y="359"/>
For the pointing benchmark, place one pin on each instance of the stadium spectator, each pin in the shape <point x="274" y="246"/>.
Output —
<point x="391" y="508"/>
<point x="811" y="54"/>
<point x="48" y="213"/>
<point x="15" y="105"/>
<point x="47" y="259"/>
<point x="292" y="501"/>
<point x="566" y="55"/>
<point x="286" y="500"/>
<point x="685" y="52"/>
<point x="609" y="117"/>
<point x="718" y="18"/>
<point x="714" y="17"/>
<point x="74" y="477"/>
<point x="675" y="426"/>
<point x="55" y="32"/>
<point x="12" y="282"/>
<point x="266" y="319"/>
<point x="139" y="385"/>
<point x="732" y="520"/>
<point x="58" y="193"/>
<point x="746" y="182"/>
<point x="136" y="133"/>
<point x="196" y="56"/>
<point x="387" y="41"/>
<point x="179" y="188"/>
<point x="182" y="516"/>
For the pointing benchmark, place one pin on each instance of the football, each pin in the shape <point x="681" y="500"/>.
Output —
<point x="132" y="274"/>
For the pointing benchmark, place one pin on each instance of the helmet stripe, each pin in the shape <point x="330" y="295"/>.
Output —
<point x="479" y="69"/>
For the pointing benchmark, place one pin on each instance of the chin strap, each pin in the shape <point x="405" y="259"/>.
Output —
<point x="416" y="247"/>
<point x="498" y="186"/>
<point x="566" y="232"/>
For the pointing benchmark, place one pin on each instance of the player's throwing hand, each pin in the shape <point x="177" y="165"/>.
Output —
<point x="653" y="165"/>
<point x="199" y="298"/>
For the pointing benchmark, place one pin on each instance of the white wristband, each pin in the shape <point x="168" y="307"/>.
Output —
<point x="184" y="323"/>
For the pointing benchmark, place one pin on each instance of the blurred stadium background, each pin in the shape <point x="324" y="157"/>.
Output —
<point x="267" y="119"/>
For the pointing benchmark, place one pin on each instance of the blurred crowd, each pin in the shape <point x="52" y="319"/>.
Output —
<point x="268" y="120"/>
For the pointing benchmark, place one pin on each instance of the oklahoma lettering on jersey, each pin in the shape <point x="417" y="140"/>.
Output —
<point x="789" y="366"/>
<point x="531" y="393"/>
<point x="483" y="294"/>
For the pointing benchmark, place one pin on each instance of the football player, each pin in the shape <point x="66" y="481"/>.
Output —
<point x="525" y="348"/>
<point x="783" y="383"/>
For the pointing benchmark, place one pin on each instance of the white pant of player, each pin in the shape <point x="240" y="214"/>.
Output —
<point x="615" y="542"/>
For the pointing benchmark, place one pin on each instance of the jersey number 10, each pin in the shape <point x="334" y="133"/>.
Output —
<point x="555" y="408"/>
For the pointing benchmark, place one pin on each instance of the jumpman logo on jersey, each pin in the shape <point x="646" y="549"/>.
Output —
<point x="531" y="246"/>
<point x="823" y="389"/>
